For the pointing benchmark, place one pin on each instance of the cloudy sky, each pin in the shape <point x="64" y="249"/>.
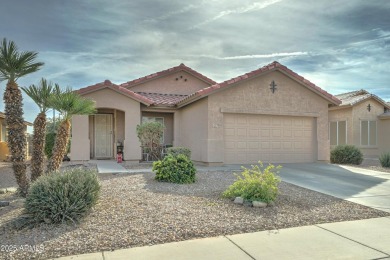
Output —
<point x="339" y="45"/>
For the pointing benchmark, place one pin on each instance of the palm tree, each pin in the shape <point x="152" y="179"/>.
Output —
<point x="14" y="65"/>
<point x="41" y="95"/>
<point x="68" y="103"/>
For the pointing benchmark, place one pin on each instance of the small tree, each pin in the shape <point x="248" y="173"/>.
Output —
<point x="68" y="103"/>
<point x="40" y="94"/>
<point x="15" y="64"/>
<point x="150" y="134"/>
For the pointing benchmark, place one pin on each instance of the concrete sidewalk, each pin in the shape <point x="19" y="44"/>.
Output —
<point x="109" y="166"/>
<point x="361" y="239"/>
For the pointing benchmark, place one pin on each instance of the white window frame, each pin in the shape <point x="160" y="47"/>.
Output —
<point x="3" y="132"/>
<point x="337" y="132"/>
<point x="153" y="119"/>
<point x="368" y="133"/>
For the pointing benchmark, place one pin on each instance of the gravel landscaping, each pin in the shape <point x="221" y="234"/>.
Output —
<point x="135" y="210"/>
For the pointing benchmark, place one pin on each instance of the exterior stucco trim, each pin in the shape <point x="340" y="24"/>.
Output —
<point x="262" y="112"/>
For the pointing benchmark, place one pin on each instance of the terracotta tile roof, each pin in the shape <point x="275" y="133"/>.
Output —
<point x="163" y="99"/>
<point x="167" y="72"/>
<point x="270" y="67"/>
<point x="354" y="97"/>
<point x="122" y="90"/>
<point x="2" y="115"/>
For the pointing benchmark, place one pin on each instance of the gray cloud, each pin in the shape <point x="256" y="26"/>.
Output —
<point x="339" y="45"/>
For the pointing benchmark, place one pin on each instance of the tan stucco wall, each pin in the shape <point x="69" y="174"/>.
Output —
<point x="343" y="115"/>
<point x="384" y="135"/>
<point x="120" y="126"/>
<point x="107" y="98"/>
<point x="191" y="129"/>
<point x="254" y="96"/>
<point x="169" y="84"/>
<point x="360" y="112"/>
<point x="354" y="115"/>
<point x="168" y="124"/>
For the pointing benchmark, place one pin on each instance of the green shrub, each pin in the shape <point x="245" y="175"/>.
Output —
<point x="384" y="159"/>
<point x="150" y="135"/>
<point x="62" y="196"/>
<point x="255" y="184"/>
<point x="50" y="139"/>
<point x="346" y="154"/>
<point x="49" y="143"/>
<point x="176" y="169"/>
<point x="175" y="151"/>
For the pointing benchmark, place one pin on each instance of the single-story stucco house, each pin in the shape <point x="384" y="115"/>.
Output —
<point x="363" y="120"/>
<point x="270" y="114"/>
<point x="4" y="150"/>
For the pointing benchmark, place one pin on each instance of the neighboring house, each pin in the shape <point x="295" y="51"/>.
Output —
<point x="4" y="151"/>
<point x="270" y="114"/>
<point x="363" y="120"/>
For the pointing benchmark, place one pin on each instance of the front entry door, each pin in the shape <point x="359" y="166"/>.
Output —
<point x="103" y="136"/>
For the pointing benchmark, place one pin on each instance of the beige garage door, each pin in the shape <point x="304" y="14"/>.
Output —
<point x="277" y="139"/>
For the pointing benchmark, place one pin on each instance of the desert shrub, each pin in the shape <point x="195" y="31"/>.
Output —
<point x="150" y="135"/>
<point x="62" y="196"/>
<point x="176" y="169"/>
<point x="384" y="159"/>
<point x="175" y="151"/>
<point x="256" y="184"/>
<point x="346" y="154"/>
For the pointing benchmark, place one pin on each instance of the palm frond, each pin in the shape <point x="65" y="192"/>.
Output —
<point x="41" y="94"/>
<point x="15" y="64"/>
<point x="69" y="103"/>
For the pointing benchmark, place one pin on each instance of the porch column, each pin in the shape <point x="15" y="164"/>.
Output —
<point x="132" y="146"/>
<point x="80" y="144"/>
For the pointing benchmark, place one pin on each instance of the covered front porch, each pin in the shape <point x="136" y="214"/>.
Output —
<point x="106" y="133"/>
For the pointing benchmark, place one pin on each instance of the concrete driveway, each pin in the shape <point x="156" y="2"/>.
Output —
<point x="366" y="187"/>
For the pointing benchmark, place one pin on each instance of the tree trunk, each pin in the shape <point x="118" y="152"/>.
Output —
<point x="60" y="146"/>
<point x="39" y="139"/>
<point x="16" y="136"/>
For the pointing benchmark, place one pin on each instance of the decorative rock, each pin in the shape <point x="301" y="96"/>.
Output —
<point x="2" y="191"/>
<point x="4" y="203"/>
<point x="248" y="203"/>
<point x="18" y="203"/>
<point x="12" y="189"/>
<point x="259" y="204"/>
<point x="239" y="200"/>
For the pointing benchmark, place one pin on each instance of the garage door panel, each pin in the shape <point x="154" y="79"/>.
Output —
<point x="230" y="145"/>
<point x="265" y="132"/>
<point x="241" y="145"/>
<point x="241" y="132"/>
<point x="253" y="145"/>
<point x="253" y="132"/>
<point x="277" y="133"/>
<point x="282" y="139"/>
<point x="230" y="132"/>
<point x="241" y="120"/>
